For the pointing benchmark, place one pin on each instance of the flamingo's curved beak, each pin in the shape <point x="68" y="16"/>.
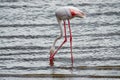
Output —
<point x="81" y="14"/>
<point x="76" y="13"/>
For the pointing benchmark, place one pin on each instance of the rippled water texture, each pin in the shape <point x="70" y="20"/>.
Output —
<point x="29" y="27"/>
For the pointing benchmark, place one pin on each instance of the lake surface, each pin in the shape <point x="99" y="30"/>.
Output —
<point x="29" y="27"/>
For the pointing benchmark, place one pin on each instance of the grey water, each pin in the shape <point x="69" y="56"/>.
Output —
<point x="29" y="27"/>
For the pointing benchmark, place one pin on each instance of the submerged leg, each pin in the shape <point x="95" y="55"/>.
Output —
<point x="65" y="39"/>
<point x="70" y="41"/>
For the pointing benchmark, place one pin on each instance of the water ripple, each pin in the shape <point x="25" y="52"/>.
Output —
<point x="52" y="36"/>
<point x="117" y="67"/>
<point x="41" y="47"/>
<point x="117" y="13"/>
<point x="26" y="25"/>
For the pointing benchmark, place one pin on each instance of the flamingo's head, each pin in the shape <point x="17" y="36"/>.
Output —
<point x="68" y="12"/>
<point x="76" y="13"/>
<point x="52" y="50"/>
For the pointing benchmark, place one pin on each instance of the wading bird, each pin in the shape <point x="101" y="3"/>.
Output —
<point x="63" y="14"/>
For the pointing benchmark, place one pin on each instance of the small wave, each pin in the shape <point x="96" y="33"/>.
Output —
<point x="26" y="36"/>
<point x="103" y="34"/>
<point x="23" y="48"/>
<point x="6" y="59"/>
<point x="103" y="4"/>
<point x="33" y="59"/>
<point x="26" y="25"/>
<point x="105" y="13"/>
<point x="19" y="6"/>
<point x="87" y="59"/>
<point x="98" y="47"/>
<point x="22" y="53"/>
<point x="2" y="1"/>
<point x="98" y="59"/>
<point x="52" y="36"/>
<point x="26" y="68"/>
<point x="117" y="67"/>
<point x="57" y="75"/>
<point x="41" y="47"/>
<point x="44" y="25"/>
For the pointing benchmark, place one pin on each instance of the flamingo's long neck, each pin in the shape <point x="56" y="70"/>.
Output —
<point x="61" y="33"/>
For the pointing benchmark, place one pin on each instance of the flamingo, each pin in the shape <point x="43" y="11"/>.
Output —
<point x="63" y="14"/>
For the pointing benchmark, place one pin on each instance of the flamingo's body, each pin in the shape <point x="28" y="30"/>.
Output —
<point x="65" y="13"/>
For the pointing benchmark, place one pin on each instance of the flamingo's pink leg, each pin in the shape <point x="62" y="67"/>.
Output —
<point x="70" y="41"/>
<point x="65" y="40"/>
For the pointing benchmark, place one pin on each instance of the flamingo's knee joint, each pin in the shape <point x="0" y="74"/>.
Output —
<point x="65" y="40"/>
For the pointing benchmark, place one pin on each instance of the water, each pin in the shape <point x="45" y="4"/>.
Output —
<point x="29" y="27"/>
